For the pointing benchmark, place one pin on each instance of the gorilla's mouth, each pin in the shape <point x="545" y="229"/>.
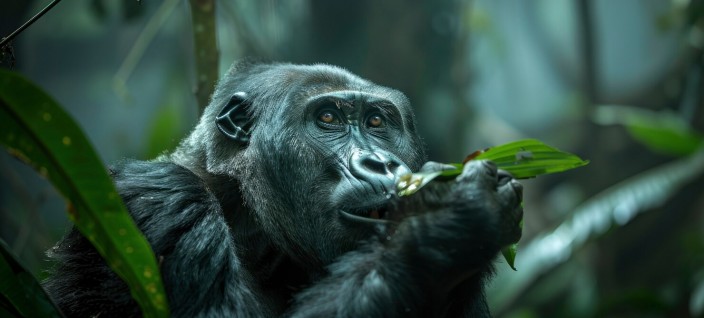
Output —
<point x="374" y="215"/>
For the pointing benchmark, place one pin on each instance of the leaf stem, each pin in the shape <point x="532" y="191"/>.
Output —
<point x="31" y="21"/>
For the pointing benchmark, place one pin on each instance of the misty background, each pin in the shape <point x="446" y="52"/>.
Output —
<point x="621" y="237"/>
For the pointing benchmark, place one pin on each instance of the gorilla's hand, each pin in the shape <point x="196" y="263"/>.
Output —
<point x="456" y="227"/>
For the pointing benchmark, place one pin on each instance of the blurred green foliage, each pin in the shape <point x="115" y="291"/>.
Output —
<point x="663" y="132"/>
<point x="36" y="130"/>
<point x="478" y="73"/>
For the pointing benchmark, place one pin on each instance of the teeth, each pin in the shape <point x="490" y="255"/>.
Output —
<point x="374" y="214"/>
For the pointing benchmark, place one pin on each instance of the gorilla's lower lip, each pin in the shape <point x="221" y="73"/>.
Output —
<point x="363" y="219"/>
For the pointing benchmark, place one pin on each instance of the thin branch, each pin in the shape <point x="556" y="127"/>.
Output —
<point x="206" y="49"/>
<point x="31" y="21"/>
<point x="585" y="16"/>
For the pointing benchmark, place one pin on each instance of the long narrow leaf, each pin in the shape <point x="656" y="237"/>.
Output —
<point x="36" y="130"/>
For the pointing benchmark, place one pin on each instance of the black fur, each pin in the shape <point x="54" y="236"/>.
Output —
<point x="260" y="222"/>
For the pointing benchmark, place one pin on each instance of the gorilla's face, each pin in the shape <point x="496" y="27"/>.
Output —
<point x="322" y="155"/>
<point x="361" y="137"/>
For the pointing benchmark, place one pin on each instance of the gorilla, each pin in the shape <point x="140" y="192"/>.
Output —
<point x="282" y="202"/>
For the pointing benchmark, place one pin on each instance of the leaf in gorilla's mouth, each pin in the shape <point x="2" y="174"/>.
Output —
<point x="377" y="215"/>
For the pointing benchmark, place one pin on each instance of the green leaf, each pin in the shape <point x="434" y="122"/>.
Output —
<point x="509" y="253"/>
<point x="35" y="129"/>
<point x="530" y="158"/>
<point x="524" y="159"/>
<point x="663" y="132"/>
<point x="24" y="295"/>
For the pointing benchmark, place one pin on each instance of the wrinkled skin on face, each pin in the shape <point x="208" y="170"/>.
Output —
<point x="282" y="202"/>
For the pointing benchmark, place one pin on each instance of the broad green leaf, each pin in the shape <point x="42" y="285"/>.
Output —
<point x="35" y="129"/>
<point x="524" y="159"/>
<point x="662" y="132"/>
<point x="22" y="291"/>
<point x="530" y="158"/>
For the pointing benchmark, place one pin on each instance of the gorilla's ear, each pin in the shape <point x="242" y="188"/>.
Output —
<point x="234" y="121"/>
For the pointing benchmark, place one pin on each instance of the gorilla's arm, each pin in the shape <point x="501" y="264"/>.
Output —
<point x="435" y="263"/>
<point x="369" y="283"/>
<point x="183" y="222"/>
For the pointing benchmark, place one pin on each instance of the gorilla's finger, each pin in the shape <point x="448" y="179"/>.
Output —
<point x="510" y="192"/>
<point x="482" y="173"/>
<point x="513" y="231"/>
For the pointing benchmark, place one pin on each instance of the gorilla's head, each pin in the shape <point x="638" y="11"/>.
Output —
<point x="313" y="150"/>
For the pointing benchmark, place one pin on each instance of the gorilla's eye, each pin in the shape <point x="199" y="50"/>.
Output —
<point x="375" y="121"/>
<point x="330" y="119"/>
<point x="327" y="117"/>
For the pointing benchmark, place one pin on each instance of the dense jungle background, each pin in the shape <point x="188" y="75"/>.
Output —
<point x="617" y="82"/>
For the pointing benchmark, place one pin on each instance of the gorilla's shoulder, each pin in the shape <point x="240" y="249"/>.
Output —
<point x="160" y="187"/>
<point x="134" y="176"/>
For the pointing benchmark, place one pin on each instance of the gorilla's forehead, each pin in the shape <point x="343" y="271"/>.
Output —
<point x="308" y="83"/>
<point x="352" y="98"/>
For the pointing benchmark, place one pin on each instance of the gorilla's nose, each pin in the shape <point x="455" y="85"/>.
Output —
<point x="377" y="167"/>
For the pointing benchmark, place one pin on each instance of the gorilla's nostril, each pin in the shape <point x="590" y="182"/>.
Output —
<point x="374" y="165"/>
